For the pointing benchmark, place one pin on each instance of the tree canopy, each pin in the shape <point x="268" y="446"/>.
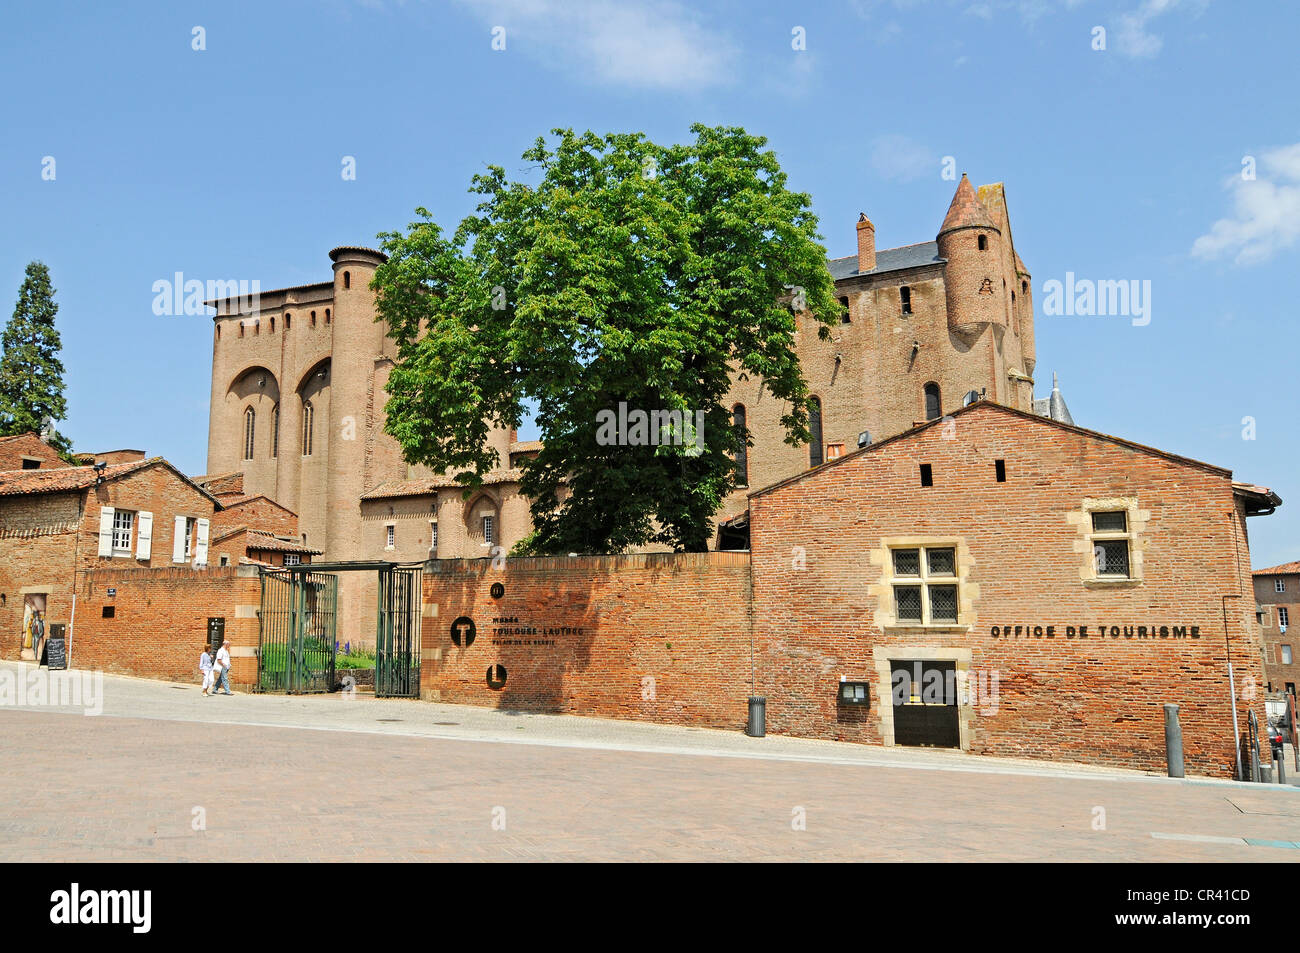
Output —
<point x="31" y="374"/>
<point x="626" y="280"/>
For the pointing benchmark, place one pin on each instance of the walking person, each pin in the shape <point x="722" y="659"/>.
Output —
<point x="205" y="666"/>
<point x="223" y="660"/>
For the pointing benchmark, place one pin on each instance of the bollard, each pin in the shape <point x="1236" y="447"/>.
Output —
<point x="1280" y="757"/>
<point x="757" y="726"/>
<point x="1173" y="741"/>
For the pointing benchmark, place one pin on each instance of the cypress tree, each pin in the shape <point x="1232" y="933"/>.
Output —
<point x="31" y="374"/>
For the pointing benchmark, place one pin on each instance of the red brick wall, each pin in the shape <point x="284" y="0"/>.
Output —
<point x="256" y="513"/>
<point x="13" y="449"/>
<point x="1093" y="700"/>
<point x="160" y="621"/>
<point x="679" y="620"/>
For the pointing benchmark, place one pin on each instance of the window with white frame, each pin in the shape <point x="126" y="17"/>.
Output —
<point x="123" y="523"/>
<point x="391" y="539"/>
<point x="925" y="584"/>
<point x="292" y="559"/>
<point x="1286" y="655"/>
<point x="488" y="528"/>
<point x="1283" y="619"/>
<point x="191" y="528"/>
<point x="433" y="536"/>
<point x="1279" y="585"/>
<point x="1110" y="544"/>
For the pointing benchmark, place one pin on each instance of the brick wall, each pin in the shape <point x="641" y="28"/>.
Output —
<point x="822" y="599"/>
<point x="13" y="449"/>
<point x="651" y="637"/>
<point x="160" y="621"/>
<point x="1268" y="600"/>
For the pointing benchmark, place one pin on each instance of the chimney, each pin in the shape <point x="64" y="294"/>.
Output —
<point x="866" y="243"/>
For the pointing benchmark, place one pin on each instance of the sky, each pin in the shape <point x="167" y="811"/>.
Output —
<point x="1148" y="141"/>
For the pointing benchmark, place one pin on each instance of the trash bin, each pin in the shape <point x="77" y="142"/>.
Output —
<point x="757" y="726"/>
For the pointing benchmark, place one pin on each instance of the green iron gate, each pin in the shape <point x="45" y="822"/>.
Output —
<point x="296" y="632"/>
<point x="397" y="634"/>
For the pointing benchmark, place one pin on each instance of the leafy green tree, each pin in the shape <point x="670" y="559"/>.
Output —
<point x="31" y="374"/>
<point x="626" y="273"/>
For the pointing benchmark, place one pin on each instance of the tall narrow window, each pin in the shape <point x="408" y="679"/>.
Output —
<point x="347" y="279"/>
<point x="488" y="530"/>
<point x="308" y="425"/>
<point x="250" y="428"/>
<point x="933" y="407"/>
<point x="275" y="431"/>
<point x="391" y="539"/>
<point x="983" y="243"/>
<point x="815" y="450"/>
<point x="844" y="315"/>
<point x="905" y="296"/>
<point x="742" y="451"/>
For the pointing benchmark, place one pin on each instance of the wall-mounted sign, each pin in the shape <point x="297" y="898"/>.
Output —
<point x="462" y="631"/>
<point x="496" y="677"/>
<point x="1096" y="631"/>
<point x="112" y="592"/>
<point x="497" y="590"/>
<point x="855" y="693"/>
<point x="216" y="631"/>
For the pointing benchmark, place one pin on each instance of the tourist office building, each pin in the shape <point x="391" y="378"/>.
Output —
<point x="994" y="581"/>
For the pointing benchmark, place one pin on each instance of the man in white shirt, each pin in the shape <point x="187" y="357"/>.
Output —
<point x="223" y="660"/>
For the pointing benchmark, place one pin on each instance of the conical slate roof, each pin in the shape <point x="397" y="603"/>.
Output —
<point x="966" y="210"/>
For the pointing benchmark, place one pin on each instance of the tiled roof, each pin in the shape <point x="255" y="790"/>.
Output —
<point x="966" y="210"/>
<point x="888" y="259"/>
<point x="260" y="539"/>
<point x="1284" y="569"/>
<point x="63" y="479"/>
<point x="395" y="488"/>
<point x="525" y="446"/>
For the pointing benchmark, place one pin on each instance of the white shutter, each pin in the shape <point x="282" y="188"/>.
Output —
<point x="178" y="540"/>
<point x="144" y="535"/>
<point x="106" y="531"/>
<point x="201" y="543"/>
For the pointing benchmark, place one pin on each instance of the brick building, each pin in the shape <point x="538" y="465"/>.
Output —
<point x="1034" y="589"/>
<point x="298" y="390"/>
<point x="27" y="451"/>
<point x="58" y="524"/>
<point x="1277" y="600"/>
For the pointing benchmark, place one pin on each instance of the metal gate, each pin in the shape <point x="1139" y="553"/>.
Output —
<point x="397" y="634"/>
<point x="296" y="632"/>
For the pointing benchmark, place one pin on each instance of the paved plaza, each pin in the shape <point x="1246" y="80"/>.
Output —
<point x="165" y="774"/>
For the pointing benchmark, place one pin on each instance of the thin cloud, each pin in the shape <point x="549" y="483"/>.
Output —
<point x="646" y="44"/>
<point x="1133" y="36"/>
<point x="1266" y="212"/>
<point x="899" y="158"/>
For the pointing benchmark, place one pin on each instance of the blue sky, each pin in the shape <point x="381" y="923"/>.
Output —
<point x="1120" y="163"/>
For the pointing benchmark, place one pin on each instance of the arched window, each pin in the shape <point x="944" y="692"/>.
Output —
<point x="308" y="422"/>
<point x="933" y="408"/>
<point x="250" y="427"/>
<point x="313" y="319"/>
<point x="275" y="431"/>
<point x="742" y="451"/>
<point x="327" y="315"/>
<point x="816" y="453"/>
<point x="347" y="279"/>
<point x="272" y="324"/>
<point x="983" y="243"/>
<point x="1024" y="287"/>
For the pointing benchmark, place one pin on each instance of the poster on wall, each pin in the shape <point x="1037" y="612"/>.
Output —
<point x="33" y="632"/>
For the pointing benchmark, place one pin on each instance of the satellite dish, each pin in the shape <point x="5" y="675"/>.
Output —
<point x="864" y="439"/>
<point x="970" y="398"/>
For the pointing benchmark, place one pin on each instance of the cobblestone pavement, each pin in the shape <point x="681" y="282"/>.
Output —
<point x="165" y="774"/>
